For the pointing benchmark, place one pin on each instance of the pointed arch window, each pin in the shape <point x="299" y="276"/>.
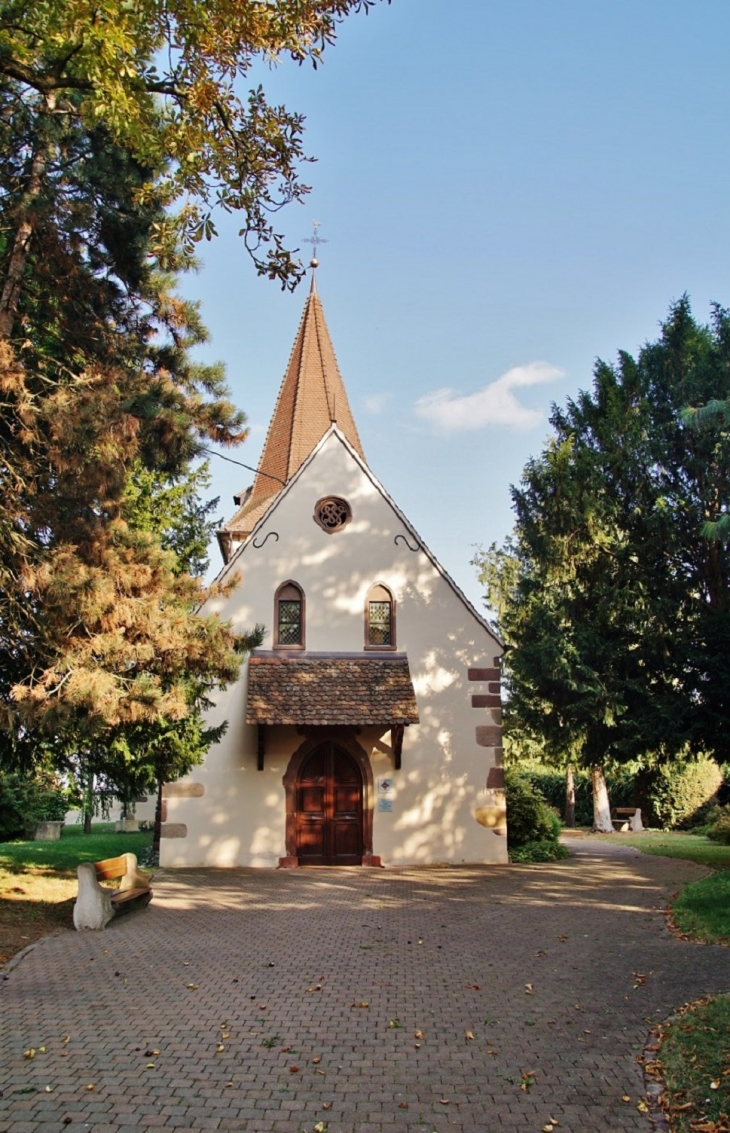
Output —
<point x="289" y="616"/>
<point x="379" y="618"/>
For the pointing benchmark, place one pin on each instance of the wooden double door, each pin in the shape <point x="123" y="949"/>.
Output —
<point x="329" y="818"/>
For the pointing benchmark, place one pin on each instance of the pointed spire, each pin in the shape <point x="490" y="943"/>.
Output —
<point x="312" y="397"/>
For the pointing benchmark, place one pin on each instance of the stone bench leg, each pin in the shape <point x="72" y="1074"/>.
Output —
<point x="93" y="908"/>
<point x="636" y="823"/>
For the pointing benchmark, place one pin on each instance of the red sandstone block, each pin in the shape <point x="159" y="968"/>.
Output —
<point x="479" y="700"/>
<point x="489" y="735"/>
<point x="483" y="674"/>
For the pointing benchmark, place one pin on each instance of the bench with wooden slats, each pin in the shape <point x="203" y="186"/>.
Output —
<point x="96" y="904"/>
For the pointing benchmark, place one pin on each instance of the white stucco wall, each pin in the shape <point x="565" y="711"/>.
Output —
<point x="237" y="814"/>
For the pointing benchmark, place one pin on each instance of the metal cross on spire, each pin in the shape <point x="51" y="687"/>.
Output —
<point x="315" y="240"/>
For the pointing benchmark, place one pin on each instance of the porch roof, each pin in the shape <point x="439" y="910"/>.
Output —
<point x="330" y="689"/>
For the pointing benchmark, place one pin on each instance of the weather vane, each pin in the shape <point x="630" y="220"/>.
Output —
<point x="315" y="240"/>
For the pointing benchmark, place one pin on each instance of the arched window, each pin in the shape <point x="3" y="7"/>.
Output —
<point x="289" y="616"/>
<point x="379" y="618"/>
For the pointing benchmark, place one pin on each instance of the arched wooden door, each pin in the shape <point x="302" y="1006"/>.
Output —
<point x="329" y="808"/>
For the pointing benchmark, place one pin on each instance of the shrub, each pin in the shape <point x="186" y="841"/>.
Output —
<point x="681" y="795"/>
<point x="543" y="851"/>
<point x="24" y="801"/>
<point x="719" y="830"/>
<point x="529" y="818"/>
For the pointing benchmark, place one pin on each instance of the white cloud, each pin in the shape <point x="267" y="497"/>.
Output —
<point x="376" y="402"/>
<point x="496" y="404"/>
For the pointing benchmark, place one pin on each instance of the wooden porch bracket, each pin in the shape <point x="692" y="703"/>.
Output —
<point x="396" y="742"/>
<point x="261" y="747"/>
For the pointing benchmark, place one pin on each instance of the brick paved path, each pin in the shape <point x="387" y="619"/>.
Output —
<point x="442" y="951"/>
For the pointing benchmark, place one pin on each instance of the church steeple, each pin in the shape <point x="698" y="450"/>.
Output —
<point x="312" y="397"/>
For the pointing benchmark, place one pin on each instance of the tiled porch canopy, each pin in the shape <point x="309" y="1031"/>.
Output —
<point x="330" y="689"/>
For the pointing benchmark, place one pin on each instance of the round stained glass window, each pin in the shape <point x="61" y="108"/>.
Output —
<point x="332" y="513"/>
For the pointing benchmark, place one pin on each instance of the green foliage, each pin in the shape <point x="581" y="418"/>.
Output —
<point x="680" y="794"/>
<point x="719" y="827"/>
<point x="551" y="785"/>
<point x="545" y="850"/>
<point x="26" y="800"/>
<point x="170" y="83"/>
<point x="613" y="600"/>
<point x="529" y="818"/>
<point x="694" y="1057"/>
<point x="170" y="506"/>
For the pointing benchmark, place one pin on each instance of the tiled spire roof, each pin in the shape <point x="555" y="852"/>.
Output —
<point x="311" y="398"/>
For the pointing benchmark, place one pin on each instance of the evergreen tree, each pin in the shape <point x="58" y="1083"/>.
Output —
<point x="613" y="600"/>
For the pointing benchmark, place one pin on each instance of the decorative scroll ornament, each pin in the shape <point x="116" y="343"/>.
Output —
<point x="410" y="548"/>
<point x="332" y="513"/>
<point x="267" y="536"/>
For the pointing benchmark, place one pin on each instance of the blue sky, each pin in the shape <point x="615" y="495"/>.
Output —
<point x="509" y="189"/>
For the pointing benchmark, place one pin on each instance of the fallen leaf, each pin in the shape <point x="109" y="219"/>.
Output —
<point x="468" y="1035"/>
<point x="226" y="1035"/>
<point x="445" y="1101"/>
<point x="149" y="1066"/>
<point x="402" y="1105"/>
<point x="30" y="1053"/>
<point x="642" y="1106"/>
<point x="192" y="987"/>
<point x="42" y="1049"/>
<point x="229" y="1083"/>
<point x="541" y="952"/>
<point x="562" y="939"/>
<point x="317" y="1060"/>
<point x="715" y="1085"/>
<point x="418" y="1035"/>
<point x="322" y="1072"/>
<point x="394" y="1024"/>
<point x="49" y="1089"/>
<point x="67" y="1120"/>
<point x="294" y="1069"/>
<point x="326" y="1105"/>
<point x="90" y="1087"/>
<point x="67" y="1039"/>
<point x="547" y="1129"/>
<point x="625" y="1098"/>
<point x="417" y="1046"/>
<point x="362" y="1003"/>
<point x="150" y="1053"/>
<point x="529" y="989"/>
<point x="219" y="1047"/>
<point x="263" y="1006"/>
<point x="320" y="1127"/>
<point x="473" y="987"/>
<point x="553" y="1121"/>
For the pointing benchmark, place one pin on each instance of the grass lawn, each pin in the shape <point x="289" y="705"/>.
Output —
<point x="671" y="844"/>
<point x="38" y="880"/>
<point x="702" y="909"/>
<point x="695" y="1056"/>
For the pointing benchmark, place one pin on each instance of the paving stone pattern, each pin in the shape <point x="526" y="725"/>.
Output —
<point x="442" y="951"/>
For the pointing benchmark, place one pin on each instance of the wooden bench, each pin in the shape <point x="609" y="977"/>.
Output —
<point x="626" y="818"/>
<point x="96" y="904"/>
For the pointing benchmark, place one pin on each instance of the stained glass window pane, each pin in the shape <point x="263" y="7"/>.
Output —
<point x="290" y="622"/>
<point x="380" y="623"/>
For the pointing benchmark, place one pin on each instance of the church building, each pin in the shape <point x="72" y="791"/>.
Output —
<point x="366" y="729"/>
